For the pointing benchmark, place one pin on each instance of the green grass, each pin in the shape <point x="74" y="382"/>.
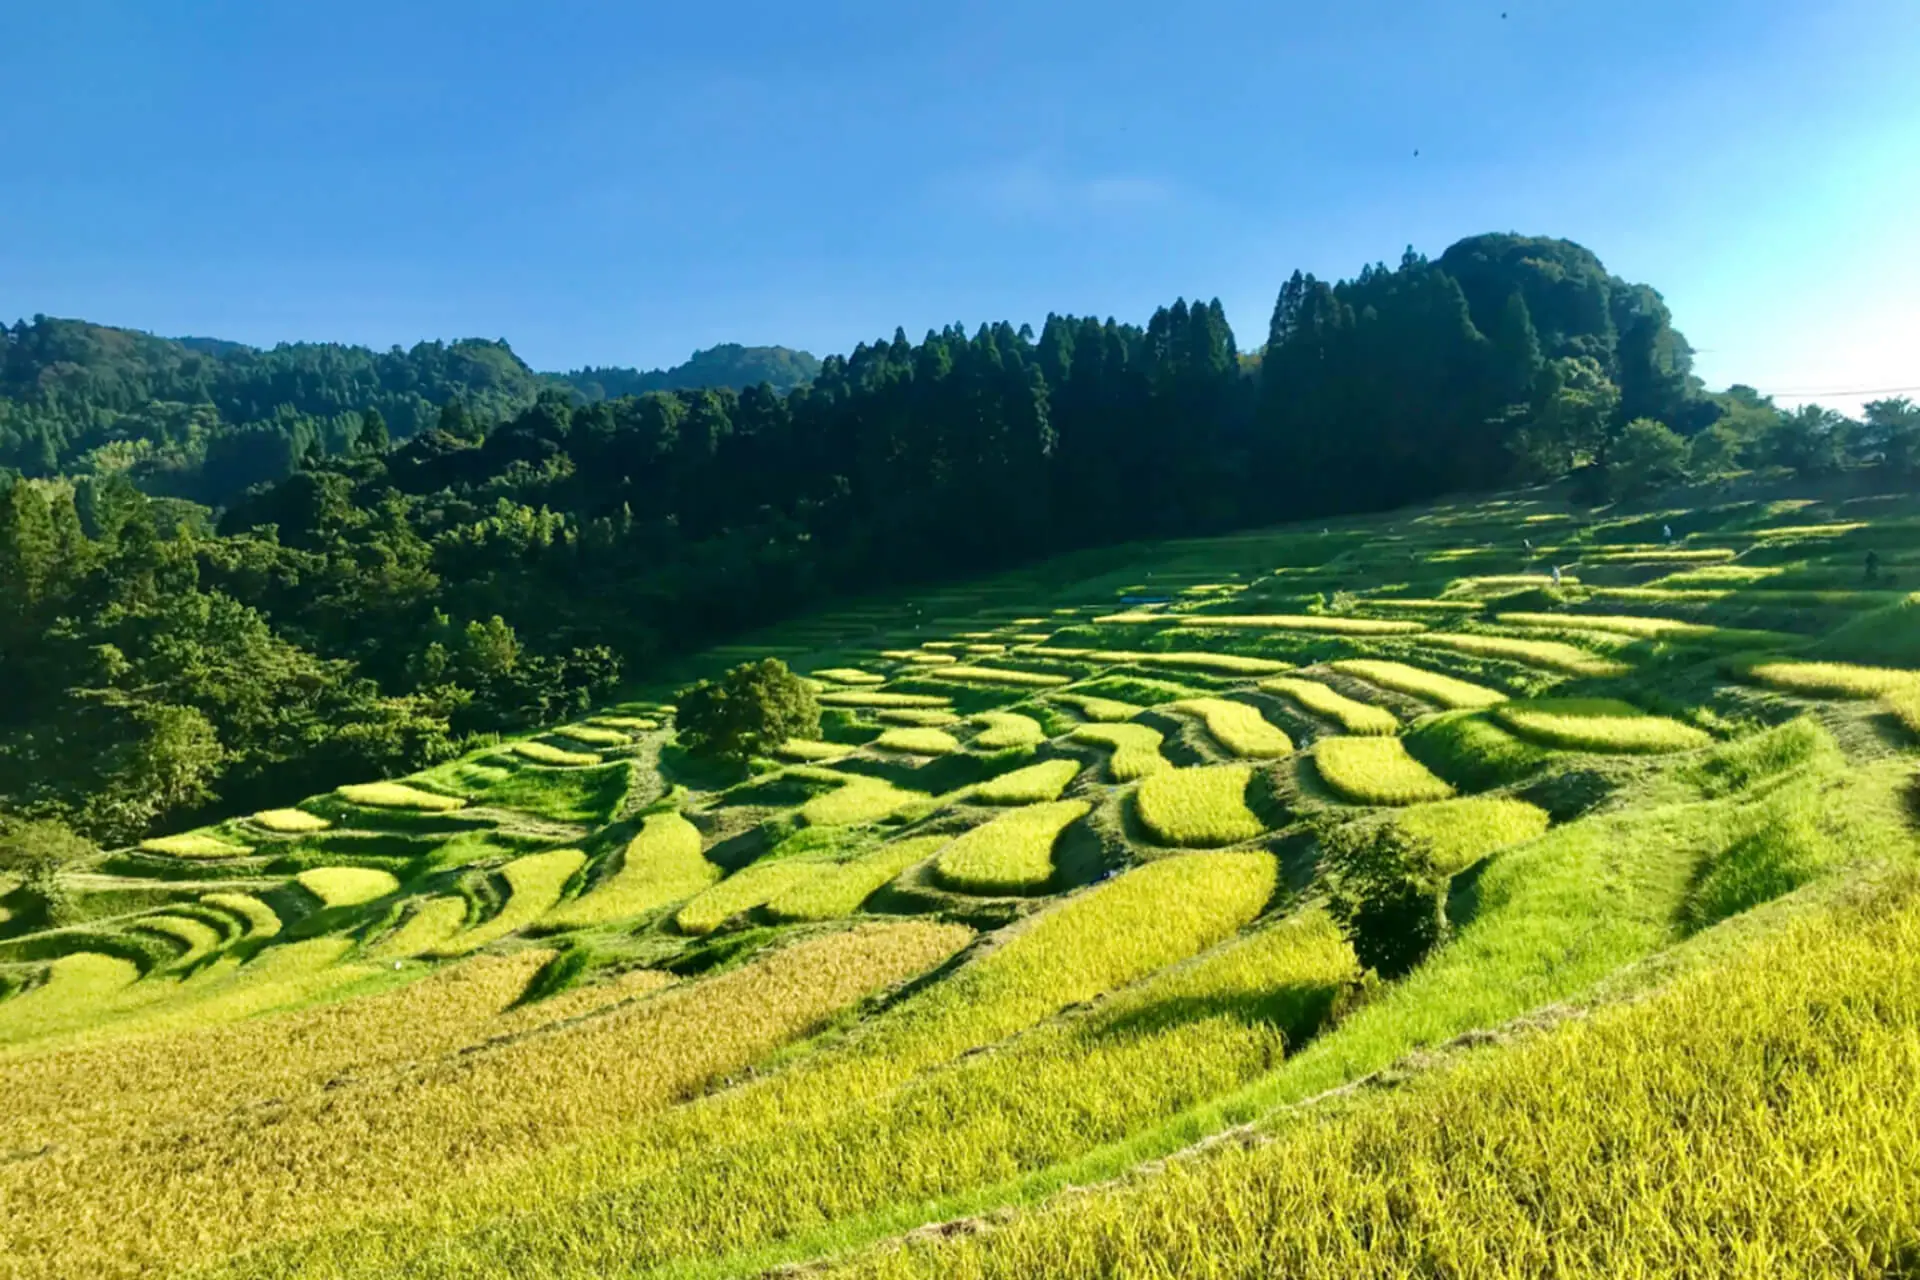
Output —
<point x="1003" y="730"/>
<point x="1469" y="750"/>
<point x="546" y="753"/>
<point x="1031" y="784"/>
<point x="1012" y="854"/>
<point x="1354" y="717"/>
<point x="1199" y="808"/>
<point x="859" y="800"/>
<point x="1417" y="682"/>
<point x="1548" y="654"/>
<point x="1597" y="724"/>
<point x="347" y="886"/>
<point x="428" y="926"/>
<point x="1238" y="727"/>
<point x="1651" y="629"/>
<point x="1458" y="833"/>
<point x="919" y="742"/>
<point x="839" y="890"/>
<point x="661" y="865"/>
<point x="881" y="698"/>
<point x="750" y="887"/>
<point x="397" y="795"/>
<point x="195" y="844"/>
<point x="593" y="735"/>
<point x="196" y="937"/>
<point x="1303" y="622"/>
<point x="811" y="749"/>
<point x="1135" y="748"/>
<point x="534" y="884"/>
<point x="1376" y="771"/>
<point x="262" y="921"/>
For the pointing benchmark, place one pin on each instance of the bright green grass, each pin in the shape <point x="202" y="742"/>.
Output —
<point x="860" y="800"/>
<point x="1420" y="683"/>
<point x="750" y="887"/>
<point x="430" y="925"/>
<point x="196" y="937"/>
<point x="839" y="890"/>
<point x="397" y="795"/>
<point x="290" y="821"/>
<point x="1199" y="808"/>
<point x="1001" y="730"/>
<point x="1649" y="628"/>
<point x="1597" y="724"/>
<point x="195" y="844"/>
<point x="593" y="735"/>
<point x="1031" y="784"/>
<point x="261" y="920"/>
<point x="1011" y="854"/>
<point x="811" y="749"/>
<point x="534" y="884"/>
<point x="1105" y="710"/>
<point x="881" y="698"/>
<point x="848" y="675"/>
<point x="1376" y="771"/>
<point x="938" y="718"/>
<point x="1135" y="748"/>
<point x="1549" y="654"/>
<point x="1458" y="833"/>
<point x="1472" y="752"/>
<point x="1303" y="622"/>
<point x="1354" y="717"/>
<point x="347" y="886"/>
<point x="662" y="864"/>
<point x="546" y="753"/>
<point x="918" y="742"/>
<point x="995" y="675"/>
<point x="1238" y="727"/>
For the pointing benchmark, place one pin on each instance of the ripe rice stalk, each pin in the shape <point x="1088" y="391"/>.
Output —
<point x="1032" y="784"/>
<point x="1354" y="717"/>
<point x="534" y="884"/>
<point x="1199" y="808"/>
<point x="1597" y="724"/>
<point x="1135" y="748"/>
<point x="1011" y="854"/>
<point x="1376" y="771"/>
<point x="662" y="864"/>
<point x="396" y="795"/>
<point x="1420" y="683"/>
<point x="347" y="886"/>
<point x="1238" y="727"/>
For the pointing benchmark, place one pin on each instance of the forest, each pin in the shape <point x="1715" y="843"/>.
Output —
<point x="229" y="575"/>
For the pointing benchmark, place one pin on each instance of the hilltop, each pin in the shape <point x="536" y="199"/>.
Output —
<point x="1049" y="937"/>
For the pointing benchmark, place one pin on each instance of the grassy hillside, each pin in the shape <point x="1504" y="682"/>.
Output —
<point x="1039" y="940"/>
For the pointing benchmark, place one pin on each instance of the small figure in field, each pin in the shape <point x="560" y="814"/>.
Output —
<point x="1527" y="543"/>
<point x="1873" y="566"/>
<point x="1666" y="530"/>
<point x="1556" y="575"/>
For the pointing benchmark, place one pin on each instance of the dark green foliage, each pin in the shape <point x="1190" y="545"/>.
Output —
<point x="728" y="365"/>
<point x="749" y="711"/>
<point x="1644" y="458"/>
<point x="1379" y="888"/>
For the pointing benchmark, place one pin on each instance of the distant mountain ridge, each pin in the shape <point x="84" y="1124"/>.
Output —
<point x="728" y="365"/>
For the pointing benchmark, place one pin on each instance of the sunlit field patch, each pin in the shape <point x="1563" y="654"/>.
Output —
<point x="662" y="864"/>
<point x="347" y="886"/>
<point x="534" y="883"/>
<point x="744" y="890"/>
<point x="1550" y="654"/>
<point x="1834" y="679"/>
<point x="1104" y="710"/>
<point x="546" y="753"/>
<point x="1354" y="717"/>
<point x="260" y="918"/>
<point x="1011" y="854"/>
<point x="839" y="890"/>
<point x="1238" y="727"/>
<point x="848" y="675"/>
<point x="195" y="937"/>
<point x="1135" y="748"/>
<point x="860" y="800"/>
<point x="919" y="742"/>
<point x="1649" y="628"/>
<point x="1302" y="622"/>
<point x="1029" y="785"/>
<point x="1660" y="555"/>
<point x="1458" y="833"/>
<point x="1376" y="771"/>
<point x="290" y="821"/>
<point x="593" y="735"/>
<point x="1420" y="683"/>
<point x="922" y="656"/>
<point x="430" y="924"/>
<point x="811" y="750"/>
<point x="397" y="795"/>
<point x="1001" y="730"/>
<point x="995" y="675"/>
<point x="195" y="844"/>
<point x="1597" y="724"/>
<point x="881" y="698"/>
<point x="1199" y="808"/>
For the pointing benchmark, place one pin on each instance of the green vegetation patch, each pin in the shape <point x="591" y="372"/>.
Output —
<point x="918" y="742"/>
<point x="397" y="795"/>
<point x="1420" y="683"/>
<point x="196" y="937"/>
<point x="996" y="675"/>
<point x="1834" y="679"/>
<point x="1650" y="629"/>
<point x="1598" y="724"/>
<point x="838" y="890"/>
<point x="1012" y="854"/>
<point x="1238" y="727"/>
<point x="195" y="844"/>
<point x="1472" y="752"/>
<point x="848" y="675"/>
<point x="934" y="718"/>
<point x="1303" y="622"/>
<point x="750" y="887"/>
<point x="1376" y="771"/>
<point x="1458" y="833"/>
<point x="662" y="864"/>
<point x="1029" y="785"/>
<point x="593" y="735"/>
<point x="1353" y="716"/>
<point x="430" y="924"/>
<point x="1104" y="710"/>
<point x="534" y="884"/>
<point x="1135" y="748"/>
<point x="290" y="821"/>
<point x="347" y="886"/>
<point x="811" y="749"/>
<point x="1199" y="808"/>
<point x="860" y="800"/>
<point x="1550" y="654"/>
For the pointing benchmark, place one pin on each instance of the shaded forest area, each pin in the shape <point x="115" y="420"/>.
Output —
<point x="397" y="552"/>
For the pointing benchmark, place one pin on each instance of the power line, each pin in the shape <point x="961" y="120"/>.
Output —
<point x="1843" y="391"/>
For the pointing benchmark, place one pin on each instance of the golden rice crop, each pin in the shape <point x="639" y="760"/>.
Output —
<point x="1597" y="724"/>
<point x="430" y="924"/>
<point x="996" y="675"/>
<point x="1353" y="716"/>
<point x="1458" y="833"/>
<point x="921" y="656"/>
<point x="290" y="821"/>
<point x="662" y="864"/>
<point x="74" y="983"/>
<point x="546" y="753"/>
<point x="880" y="698"/>
<point x="1647" y="628"/>
<point x="593" y="735"/>
<point x="1029" y="785"/>
<point x="860" y="800"/>
<point x="919" y="742"/>
<point x="810" y="749"/>
<point x="1904" y="706"/>
<point x="1443" y="606"/>
<point x="1834" y="679"/>
<point x="848" y="675"/>
<point x="985" y="648"/>
<point x="1012" y="853"/>
<point x="1376" y="771"/>
<point x="745" y="889"/>
<point x="534" y="883"/>
<point x="1303" y="622"/>
<point x="1135" y="748"/>
<point x="1131" y="618"/>
<point x="226" y="1180"/>
<point x="396" y="795"/>
<point x="260" y="918"/>
<point x="196" y="937"/>
<point x="1420" y="683"/>
<point x="1551" y="654"/>
<point x="1001" y="730"/>
<point x="1660" y="555"/>
<point x="195" y="844"/>
<point x="917" y="717"/>
<point x="839" y="890"/>
<point x="1238" y="727"/>
<point x="633" y="724"/>
<point x="1838" y="528"/>
<point x="1105" y="710"/>
<point x="1199" y="808"/>
<point x="347" y="886"/>
<point x="1233" y="664"/>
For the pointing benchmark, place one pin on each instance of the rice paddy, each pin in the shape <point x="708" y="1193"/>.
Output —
<point x="1032" y="915"/>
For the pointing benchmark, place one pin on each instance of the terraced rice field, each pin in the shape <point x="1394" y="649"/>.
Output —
<point x="1039" y="908"/>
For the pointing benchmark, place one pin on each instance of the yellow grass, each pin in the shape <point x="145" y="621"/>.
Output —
<point x="1001" y="730"/>
<point x="634" y="724"/>
<point x="290" y="821"/>
<point x="1233" y="664"/>
<point x="1104" y="710"/>
<point x="1135" y="748"/>
<point x="1646" y="628"/>
<point x="1303" y="622"/>
<point x="397" y="795"/>
<point x="848" y="675"/>
<point x="881" y="698"/>
<point x="995" y="675"/>
<point x="260" y="918"/>
<point x="1011" y="854"/>
<point x="593" y="735"/>
<point x="1904" y="706"/>
<point x="534" y="884"/>
<point x="74" y="982"/>
<point x="1376" y="771"/>
<point x="1238" y="727"/>
<point x="810" y="749"/>
<point x="1551" y="654"/>
<point x="545" y="753"/>
<point x="1598" y="724"/>
<point x="860" y="800"/>
<point x="1431" y="685"/>
<point x="937" y="718"/>
<point x="347" y="886"/>
<point x="1029" y="785"/>
<point x="1354" y="717"/>
<point x="744" y="890"/>
<point x="921" y="656"/>
<point x="839" y="890"/>
<point x="195" y="844"/>
<point x="431" y="923"/>
<point x="986" y="649"/>
<point x="1660" y="555"/>
<point x="1458" y="833"/>
<point x="918" y="742"/>
<point x="1835" y="679"/>
<point x="1199" y="808"/>
<point x="661" y="865"/>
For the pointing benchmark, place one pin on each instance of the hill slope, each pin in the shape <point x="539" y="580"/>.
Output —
<point x="1050" y="900"/>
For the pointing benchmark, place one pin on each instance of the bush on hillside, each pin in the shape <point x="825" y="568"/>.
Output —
<point x="1385" y="895"/>
<point x="749" y="711"/>
<point x="37" y="852"/>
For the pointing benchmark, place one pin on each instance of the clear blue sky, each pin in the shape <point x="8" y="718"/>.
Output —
<point x="621" y="183"/>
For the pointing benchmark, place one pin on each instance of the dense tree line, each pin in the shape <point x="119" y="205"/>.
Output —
<point x="389" y="598"/>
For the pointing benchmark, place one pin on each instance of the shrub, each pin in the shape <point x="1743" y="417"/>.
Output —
<point x="1030" y="785"/>
<point x="1135" y="748"/>
<point x="1384" y="891"/>
<point x="1376" y="771"/>
<point x="1199" y="808"/>
<point x="1239" y="728"/>
<point x="1431" y="685"/>
<point x="37" y="854"/>
<point x="749" y="711"/>
<point x="1011" y="854"/>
